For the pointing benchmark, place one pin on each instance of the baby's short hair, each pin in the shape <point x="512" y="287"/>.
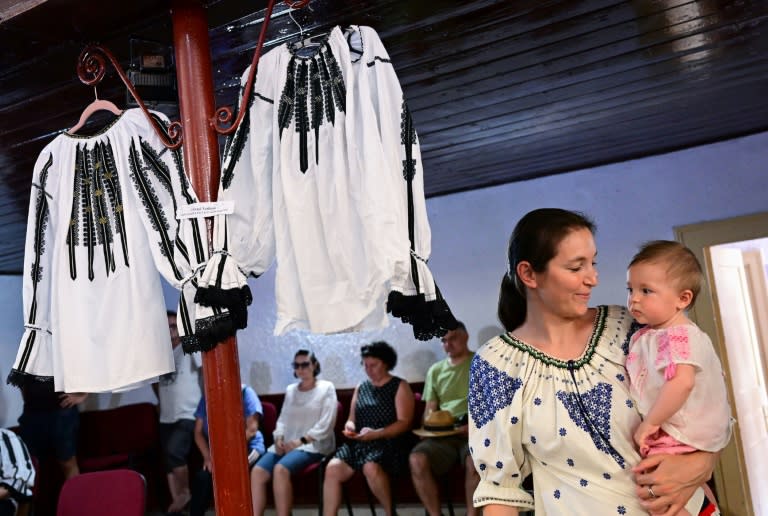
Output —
<point x="682" y="266"/>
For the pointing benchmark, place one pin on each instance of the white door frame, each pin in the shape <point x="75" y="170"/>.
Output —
<point x="731" y="479"/>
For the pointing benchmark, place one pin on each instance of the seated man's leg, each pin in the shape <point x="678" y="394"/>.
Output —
<point x="177" y="441"/>
<point x="432" y="457"/>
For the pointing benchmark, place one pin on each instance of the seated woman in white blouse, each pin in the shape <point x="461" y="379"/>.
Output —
<point x="303" y="435"/>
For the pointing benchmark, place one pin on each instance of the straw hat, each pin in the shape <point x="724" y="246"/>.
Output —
<point x="439" y="423"/>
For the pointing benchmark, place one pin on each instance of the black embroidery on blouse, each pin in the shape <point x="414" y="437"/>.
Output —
<point x="41" y="224"/>
<point x="300" y="108"/>
<point x="336" y="78"/>
<point x="73" y="235"/>
<point x="233" y="147"/>
<point x="159" y="169"/>
<point x="325" y="84"/>
<point x="111" y="185"/>
<point x="185" y="188"/>
<point x="377" y="58"/>
<point x="408" y="140"/>
<point x="285" y="108"/>
<point x="316" y="103"/>
<point x="428" y="318"/>
<point x="314" y="90"/>
<point x="157" y="166"/>
<point x="152" y="206"/>
<point x="86" y="206"/>
<point x="103" y="224"/>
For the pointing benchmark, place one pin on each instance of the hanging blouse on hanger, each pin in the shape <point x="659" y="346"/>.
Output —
<point x="326" y="175"/>
<point x="102" y="223"/>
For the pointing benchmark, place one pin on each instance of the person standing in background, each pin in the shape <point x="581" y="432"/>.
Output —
<point x="49" y="424"/>
<point x="178" y="394"/>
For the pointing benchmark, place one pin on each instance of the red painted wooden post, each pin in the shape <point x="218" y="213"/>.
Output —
<point x="201" y="157"/>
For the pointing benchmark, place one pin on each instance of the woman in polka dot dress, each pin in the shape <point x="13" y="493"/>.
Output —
<point x="551" y="397"/>
<point x="380" y="417"/>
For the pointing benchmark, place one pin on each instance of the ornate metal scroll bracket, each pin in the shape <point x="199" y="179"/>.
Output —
<point x="91" y="68"/>
<point x="223" y="122"/>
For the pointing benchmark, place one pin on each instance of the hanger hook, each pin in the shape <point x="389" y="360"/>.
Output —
<point x="301" y="29"/>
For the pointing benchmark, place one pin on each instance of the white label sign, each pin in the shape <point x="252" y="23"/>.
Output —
<point x="205" y="209"/>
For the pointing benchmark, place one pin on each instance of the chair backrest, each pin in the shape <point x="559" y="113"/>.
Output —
<point x="268" y="421"/>
<point x="117" y="492"/>
<point x="125" y="429"/>
<point x="340" y="421"/>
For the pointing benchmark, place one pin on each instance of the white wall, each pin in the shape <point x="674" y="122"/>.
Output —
<point x="631" y="202"/>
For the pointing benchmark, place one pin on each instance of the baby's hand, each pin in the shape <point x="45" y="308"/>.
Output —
<point x="643" y="432"/>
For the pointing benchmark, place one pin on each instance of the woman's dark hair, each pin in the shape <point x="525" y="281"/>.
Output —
<point x="312" y="358"/>
<point x="382" y="351"/>
<point x="534" y="240"/>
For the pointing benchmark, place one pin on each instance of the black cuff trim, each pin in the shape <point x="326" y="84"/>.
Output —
<point x="235" y="300"/>
<point x="21" y="379"/>
<point x="212" y="330"/>
<point x="428" y="318"/>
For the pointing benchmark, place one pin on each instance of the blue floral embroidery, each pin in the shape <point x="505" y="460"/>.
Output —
<point x="630" y="404"/>
<point x="499" y="464"/>
<point x="620" y="377"/>
<point x="537" y="401"/>
<point x="563" y="432"/>
<point x="583" y="482"/>
<point x="597" y="402"/>
<point x="533" y="439"/>
<point x="490" y="390"/>
<point x="557" y="494"/>
<point x="621" y="510"/>
<point x="570" y="462"/>
<point x="607" y="476"/>
<point x="487" y="443"/>
<point x="482" y="467"/>
<point x="515" y="475"/>
<point x="632" y="329"/>
<point x="514" y="420"/>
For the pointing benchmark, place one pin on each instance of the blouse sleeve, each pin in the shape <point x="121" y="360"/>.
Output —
<point x="674" y="347"/>
<point x="323" y="428"/>
<point x="416" y="298"/>
<point x="246" y="178"/>
<point x="495" y="436"/>
<point x="280" y="424"/>
<point x="178" y="245"/>
<point x="34" y="357"/>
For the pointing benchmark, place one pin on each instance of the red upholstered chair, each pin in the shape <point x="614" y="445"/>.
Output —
<point x="117" y="492"/>
<point x="126" y="436"/>
<point x="268" y="422"/>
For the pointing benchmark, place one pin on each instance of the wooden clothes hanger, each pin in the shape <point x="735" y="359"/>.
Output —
<point x="97" y="105"/>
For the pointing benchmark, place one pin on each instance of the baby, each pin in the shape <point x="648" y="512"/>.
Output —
<point x="675" y="376"/>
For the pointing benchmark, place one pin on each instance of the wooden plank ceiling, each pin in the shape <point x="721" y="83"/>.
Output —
<point x="500" y="91"/>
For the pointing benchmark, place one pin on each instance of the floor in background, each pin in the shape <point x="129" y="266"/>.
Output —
<point x="361" y="510"/>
